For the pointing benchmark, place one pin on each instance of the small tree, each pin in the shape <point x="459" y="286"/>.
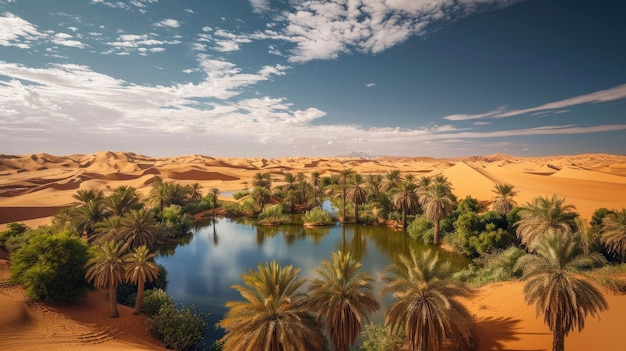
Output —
<point x="52" y="267"/>
<point x="178" y="329"/>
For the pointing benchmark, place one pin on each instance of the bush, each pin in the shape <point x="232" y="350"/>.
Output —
<point x="13" y="230"/>
<point x="241" y="194"/>
<point x="496" y="267"/>
<point x="154" y="300"/>
<point x="318" y="216"/>
<point x="52" y="267"/>
<point x="178" y="329"/>
<point x="421" y="229"/>
<point x="377" y="337"/>
<point x="273" y="215"/>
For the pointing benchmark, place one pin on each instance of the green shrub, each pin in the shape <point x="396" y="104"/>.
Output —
<point x="273" y="215"/>
<point x="51" y="267"/>
<point x="495" y="267"/>
<point x="241" y="194"/>
<point x="421" y="229"/>
<point x="318" y="216"/>
<point x="13" y="230"/>
<point x="377" y="337"/>
<point x="178" y="329"/>
<point x="154" y="300"/>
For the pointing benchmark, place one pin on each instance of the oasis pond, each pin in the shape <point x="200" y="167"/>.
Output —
<point x="201" y="272"/>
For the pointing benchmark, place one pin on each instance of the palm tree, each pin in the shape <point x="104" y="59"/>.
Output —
<point x="140" y="268"/>
<point x="343" y="296"/>
<point x="390" y="180"/>
<point x="83" y="196"/>
<point x="426" y="308"/>
<point x="503" y="201"/>
<point x="344" y="178"/>
<point x="275" y="315"/>
<point x="106" y="270"/>
<point x="614" y="232"/>
<point x="357" y="194"/>
<point x="109" y="229"/>
<point x="423" y="184"/>
<point x="194" y="191"/>
<point x="438" y="203"/>
<point x="88" y="215"/>
<point x="544" y="214"/>
<point x="123" y="199"/>
<point x="139" y="227"/>
<point x="289" y="188"/>
<point x="214" y="193"/>
<point x="554" y="281"/>
<point x="263" y="180"/>
<point x="405" y="199"/>
<point x="159" y="193"/>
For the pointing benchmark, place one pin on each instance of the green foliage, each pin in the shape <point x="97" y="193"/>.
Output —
<point x="492" y="268"/>
<point x="178" y="329"/>
<point x="127" y="292"/>
<point x="421" y="229"/>
<point x="318" y="216"/>
<point x="377" y="337"/>
<point x="14" y="242"/>
<point x="273" y="215"/>
<point x="154" y="300"/>
<point x="479" y="234"/>
<point x="13" y="230"/>
<point x="175" y="222"/>
<point x="51" y="267"/>
<point x="241" y="194"/>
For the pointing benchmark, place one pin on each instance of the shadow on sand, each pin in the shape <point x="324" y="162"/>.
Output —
<point x="496" y="333"/>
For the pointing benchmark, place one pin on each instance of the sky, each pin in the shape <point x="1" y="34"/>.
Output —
<point x="281" y="78"/>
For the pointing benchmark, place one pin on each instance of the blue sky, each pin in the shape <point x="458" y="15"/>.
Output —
<point x="275" y="78"/>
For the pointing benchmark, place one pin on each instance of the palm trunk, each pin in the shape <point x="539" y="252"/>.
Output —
<point x="404" y="220"/>
<point x="436" y="234"/>
<point x="558" y="341"/>
<point x="140" y="289"/>
<point x="356" y="213"/>
<point x="113" y="301"/>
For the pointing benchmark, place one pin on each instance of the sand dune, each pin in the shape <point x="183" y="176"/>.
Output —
<point x="587" y="181"/>
<point x="33" y="187"/>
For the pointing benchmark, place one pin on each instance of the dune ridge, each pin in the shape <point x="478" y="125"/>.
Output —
<point x="37" y="181"/>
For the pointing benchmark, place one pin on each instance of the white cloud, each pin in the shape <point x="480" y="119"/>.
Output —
<point x="612" y="94"/>
<point x="168" y="22"/>
<point x="189" y="11"/>
<point x="17" y="32"/>
<point x="321" y="29"/>
<point x="67" y="40"/>
<point x="259" y="6"/>
<point x="369" y="85"/>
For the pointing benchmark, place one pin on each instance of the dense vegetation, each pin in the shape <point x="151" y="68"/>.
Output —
<point x="110" y="242"/>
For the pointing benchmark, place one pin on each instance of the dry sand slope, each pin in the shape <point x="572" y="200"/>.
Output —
<point x="35" y="186"/>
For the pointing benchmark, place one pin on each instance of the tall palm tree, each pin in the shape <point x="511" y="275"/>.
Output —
<point x="263" y="180"/>
<point x="356" y="193"/>
<point x="140" y="268"/>
<point x="503" y="202"/>
<point x="405" y="198"/>
<point x="88" y="215"/>
<point x="108" y="229"/>
<point x="544" y="214"/>
<point x="160" y="194"/>
<point x="438" y="203"/>
<point x="139" y="227"/>
<point x="614" y="232"/>
<point x="123" y="199"/>
<point x="106" y="270"/>
<point x="83" y="196"/>
<point x="194" y="191"/>
<point x="344" y="178"/>
<point x="390" y="180"/>
<point x="554" y="281"/>
<point x="289" y="188"/>
<point x="343" y="296"/>
<point x="214" y="193"/>
<point x="423" y="184"/>
<point x="275" y="315"/>
<point x="426" y="308"/>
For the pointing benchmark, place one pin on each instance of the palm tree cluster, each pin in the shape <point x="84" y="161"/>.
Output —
<point x="278" y="315"/>
<point x="114" y="264"/>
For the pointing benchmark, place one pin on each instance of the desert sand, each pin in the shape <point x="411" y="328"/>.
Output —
<point x="34" y="187"/>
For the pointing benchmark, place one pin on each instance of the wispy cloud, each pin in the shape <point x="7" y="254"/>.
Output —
<point x="17" y="31"/>
<point x="369" y="85"/>
<point x="260" y="6"/>
<point x="168" y="22"/>
<point x="612" y="94"/>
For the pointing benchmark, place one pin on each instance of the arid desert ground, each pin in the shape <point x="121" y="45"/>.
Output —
<point x="34" y="187"/>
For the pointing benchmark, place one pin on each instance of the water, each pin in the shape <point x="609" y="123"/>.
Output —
<point x="202" y="271"/>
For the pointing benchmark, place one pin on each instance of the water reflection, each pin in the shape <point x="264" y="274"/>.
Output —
<point x="201" y="272"/>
